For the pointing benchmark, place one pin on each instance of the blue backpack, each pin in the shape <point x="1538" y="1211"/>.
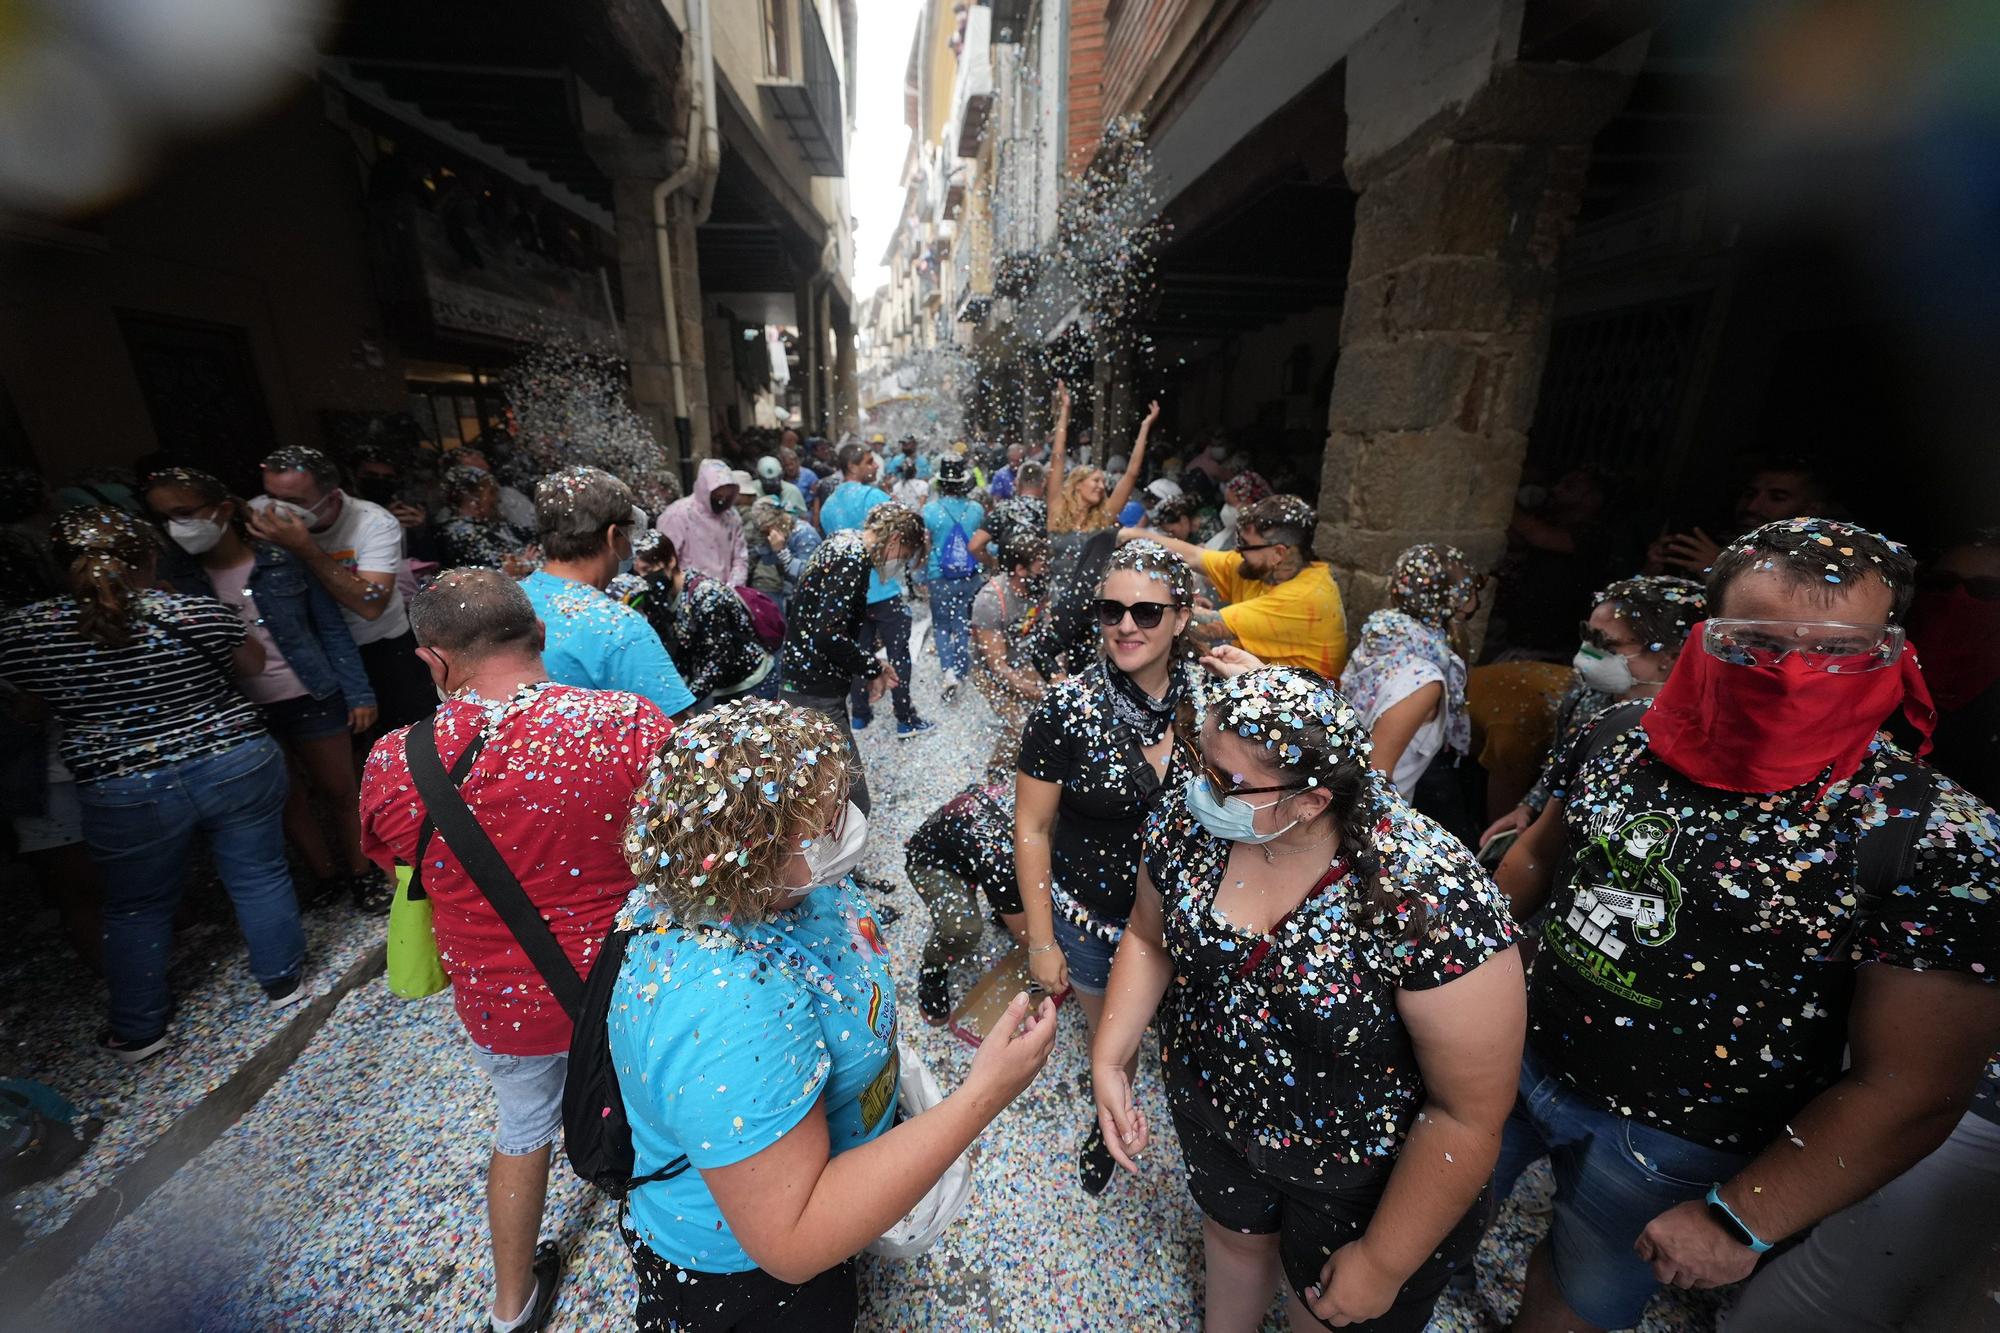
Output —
<point x="955" y="557"/>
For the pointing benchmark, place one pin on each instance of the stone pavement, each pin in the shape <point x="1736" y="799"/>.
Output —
<point x="350" y="1196"/>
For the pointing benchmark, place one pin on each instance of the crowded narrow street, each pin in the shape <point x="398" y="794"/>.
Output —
<point x="999" y="666"/>
<point x="348" y="1196"/>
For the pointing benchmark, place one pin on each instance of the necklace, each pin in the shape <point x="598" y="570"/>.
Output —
<point x="1270" y="855"/>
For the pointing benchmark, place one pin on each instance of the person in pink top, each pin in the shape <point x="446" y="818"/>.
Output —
<point x="705" y="528"/>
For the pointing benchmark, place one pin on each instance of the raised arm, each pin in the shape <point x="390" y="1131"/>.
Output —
<point x="1053" y="488"/>
<point x="1123" y="490"/>
<point x="365" y="592"/>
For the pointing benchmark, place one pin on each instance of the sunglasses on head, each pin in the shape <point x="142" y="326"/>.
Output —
<point x="1146" y="615"/>
<point x="1982" y="587"/>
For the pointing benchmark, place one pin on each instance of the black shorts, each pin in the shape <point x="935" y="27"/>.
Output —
<point x="681" y="1300"/>
<point x="1250" y="1192"/>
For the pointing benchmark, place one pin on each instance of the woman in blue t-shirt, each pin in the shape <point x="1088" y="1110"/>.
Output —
<point x="754" y="1032"/>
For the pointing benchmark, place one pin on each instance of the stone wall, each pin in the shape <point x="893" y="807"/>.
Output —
<point x="1445" y="330"/>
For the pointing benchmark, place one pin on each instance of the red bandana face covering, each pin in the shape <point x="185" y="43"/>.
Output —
<point x="1768" y="729"/>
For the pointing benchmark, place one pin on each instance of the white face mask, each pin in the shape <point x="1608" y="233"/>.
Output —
<point x="194" y="535"/>
<point x="892" y="570"/>
<point x="829" y="859"/>
<point x="1607" y="673"/>
<point x="1218" y="452"/>
<point x="309" y="517"/>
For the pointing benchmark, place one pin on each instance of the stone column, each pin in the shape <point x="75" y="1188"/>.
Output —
<point x="636" y="164"/>
<point x="1450" y="291"/>
<point x="846" y="389"/>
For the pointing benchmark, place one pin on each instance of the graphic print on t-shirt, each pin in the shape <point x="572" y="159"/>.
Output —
<point x="1626" y="893"/>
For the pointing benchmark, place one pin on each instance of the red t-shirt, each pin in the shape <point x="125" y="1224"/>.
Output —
<point x="553" y="790"/>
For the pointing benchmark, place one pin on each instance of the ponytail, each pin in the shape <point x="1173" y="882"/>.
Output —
<point x="105" y="554"/>
<point x="102" y="586"/>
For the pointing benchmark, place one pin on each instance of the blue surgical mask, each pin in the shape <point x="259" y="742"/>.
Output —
<point x="1231" y="818"/>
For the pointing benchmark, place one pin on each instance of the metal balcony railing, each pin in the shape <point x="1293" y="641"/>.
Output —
<point x="809" y="106"/>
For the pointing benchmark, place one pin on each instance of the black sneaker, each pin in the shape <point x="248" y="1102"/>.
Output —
<point x="132" y="1052"/>
<point x="285" y="992"/>
<point x="1094" y="1163"/>
<point x="548" y="1269"/>
<point x="371" y="893"/>
<point x="934" y="995"/>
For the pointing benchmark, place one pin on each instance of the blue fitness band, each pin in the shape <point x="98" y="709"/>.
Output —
<point x="1733" y="1224"/>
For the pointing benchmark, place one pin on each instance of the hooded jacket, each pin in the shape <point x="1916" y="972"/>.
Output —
<point x="705" y="540"/>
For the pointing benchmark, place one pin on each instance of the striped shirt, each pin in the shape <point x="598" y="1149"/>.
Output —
<point x="127" y="711"/>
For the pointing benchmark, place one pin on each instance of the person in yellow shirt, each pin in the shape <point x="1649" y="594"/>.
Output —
<point x="1283" y="606"/>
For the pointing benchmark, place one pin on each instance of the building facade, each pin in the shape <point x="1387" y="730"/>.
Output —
<point x="456" y="185"/>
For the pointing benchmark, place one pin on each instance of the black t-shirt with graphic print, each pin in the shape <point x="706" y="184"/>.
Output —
<point x="1292" y="1040"/>
<point x="1699" y="958"/>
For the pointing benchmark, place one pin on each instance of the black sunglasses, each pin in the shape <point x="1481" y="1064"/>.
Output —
<point x="1146" y="615"/>
<point x="1244" y="548"/>
<point x="1983" y="587"/>
<point x="1224" y="784"/>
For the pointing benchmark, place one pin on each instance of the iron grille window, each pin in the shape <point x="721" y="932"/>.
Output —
<point x="1614" y="384"/>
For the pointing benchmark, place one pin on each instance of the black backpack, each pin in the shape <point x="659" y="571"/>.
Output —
<point x="597" y="1138"/>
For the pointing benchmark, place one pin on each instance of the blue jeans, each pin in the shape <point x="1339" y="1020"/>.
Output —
<point x="888" y="624"/>
<point x="951" y="615"/>
<point x="140" y="830"/>
<point x="1613" y="1176"/>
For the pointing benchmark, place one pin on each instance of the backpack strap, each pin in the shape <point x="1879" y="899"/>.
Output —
<point x="488" y="869"/>
<point x="459" y="769"/>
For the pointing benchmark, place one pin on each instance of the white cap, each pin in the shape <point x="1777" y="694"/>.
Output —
<point x="744" y="481"/>
<point x="1164" y="488"/>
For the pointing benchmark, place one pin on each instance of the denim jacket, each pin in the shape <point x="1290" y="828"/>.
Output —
<point x="300" y="615"/>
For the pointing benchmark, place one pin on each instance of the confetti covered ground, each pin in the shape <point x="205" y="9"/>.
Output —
<point x="352" y="1196"/>
<point x="53" y="1009"/>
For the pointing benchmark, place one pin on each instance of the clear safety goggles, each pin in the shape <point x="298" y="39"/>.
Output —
<point x="1832" y="646"/>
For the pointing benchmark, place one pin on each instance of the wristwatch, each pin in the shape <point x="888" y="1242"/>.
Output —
<point x="1726" y="1218"/>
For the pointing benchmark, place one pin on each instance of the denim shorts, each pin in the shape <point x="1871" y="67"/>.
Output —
<point x="1087" y="957"/>
<point x="1613" y="1176"/>
<point x="306" y="718"/>
<point x="530" y="1089"/>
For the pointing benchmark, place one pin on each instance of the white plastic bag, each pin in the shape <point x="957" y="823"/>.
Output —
<point x="917" y="1091"/>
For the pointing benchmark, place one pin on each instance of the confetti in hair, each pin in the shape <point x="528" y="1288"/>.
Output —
<point x="1431" y="581"/>
<point x="1156" y="562"/>
<point x="716" y="817"/>
<point x="1660" y="609"/>
<point x="1824" y="556"/>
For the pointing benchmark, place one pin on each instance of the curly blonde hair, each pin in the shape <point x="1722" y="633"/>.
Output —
<point x="714" y="820"/>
